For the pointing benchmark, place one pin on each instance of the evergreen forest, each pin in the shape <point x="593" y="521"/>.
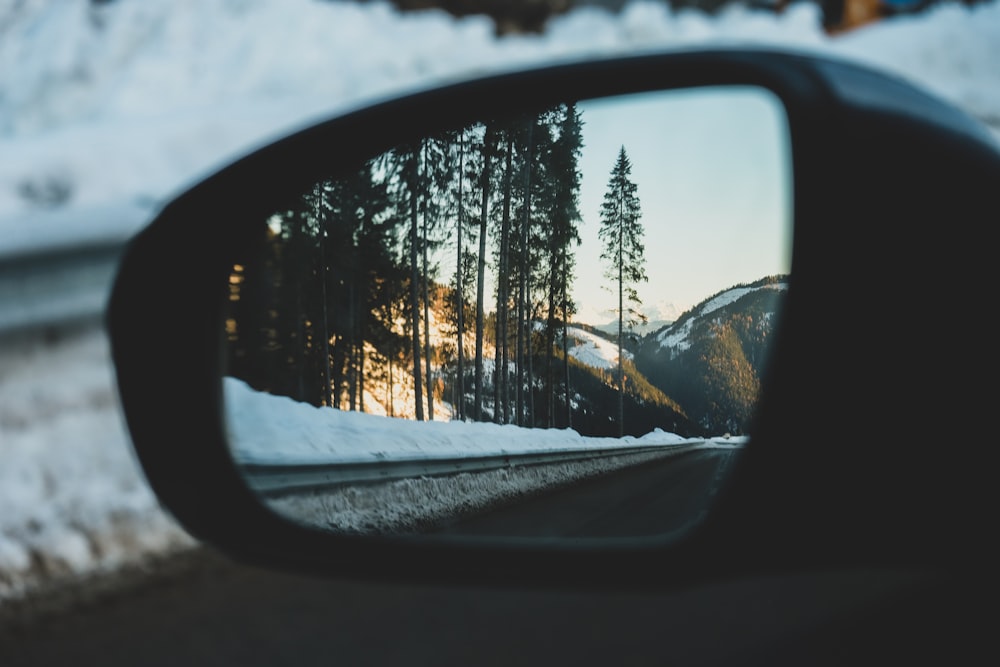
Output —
<point x="434" y="282"/>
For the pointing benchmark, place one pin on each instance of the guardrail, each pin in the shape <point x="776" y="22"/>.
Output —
<point x="276" y="480"/>
<point x="57" y="286"/>
<point x="57" y="265"/>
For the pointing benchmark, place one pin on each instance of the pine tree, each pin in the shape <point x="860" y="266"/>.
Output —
<point x="409" y="159"/>
<point x="564" y="218"/>
<point x="621" y="234"/>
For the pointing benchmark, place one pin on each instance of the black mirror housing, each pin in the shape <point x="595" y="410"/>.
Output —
<point x="892" y="194"/>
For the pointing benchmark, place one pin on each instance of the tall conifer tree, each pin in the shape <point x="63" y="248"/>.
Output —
<point x="621" y="236"/>
<point x="563" y="234"/>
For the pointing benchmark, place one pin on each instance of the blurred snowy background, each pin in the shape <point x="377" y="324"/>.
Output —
<point x="107" y="109"/>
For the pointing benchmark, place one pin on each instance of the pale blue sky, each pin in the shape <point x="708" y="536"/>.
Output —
<point x="712" y="168"/>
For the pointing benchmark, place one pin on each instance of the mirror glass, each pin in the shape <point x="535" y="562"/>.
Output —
<point x="551" y="326"/>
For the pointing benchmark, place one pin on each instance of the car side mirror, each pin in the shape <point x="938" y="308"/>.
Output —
<point x="541" y="243"/>
<point x="380" y="340"/>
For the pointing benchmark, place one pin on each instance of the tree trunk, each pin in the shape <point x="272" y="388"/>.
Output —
<point x="565" y="344"/>
<point x="352" y="349"/>
<point x="326" y="324"/>
<point x="460" y="300"/>
<point x="481" y="270"/>
<point x="621" y="320"/>
<point x="427" y="324"/>
<point x="522" y="285"/>
<point x="414" y="290"/>
<point x="502" y="391"/>
<point x="550" y="343"/>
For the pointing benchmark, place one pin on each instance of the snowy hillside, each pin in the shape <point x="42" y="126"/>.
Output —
<point x="593" y="350"/>
<point x="677" y="336"/>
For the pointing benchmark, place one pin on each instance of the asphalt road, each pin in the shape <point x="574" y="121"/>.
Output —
<point x="661" y="496"/>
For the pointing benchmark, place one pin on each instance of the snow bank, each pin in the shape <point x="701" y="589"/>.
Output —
<point x="72" y="498"/>
<point x="267" y="429"/>
<point x="276" y="430"/>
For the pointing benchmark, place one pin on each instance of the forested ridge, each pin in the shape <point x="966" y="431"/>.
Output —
<point x="340" y="290"/>
<point x="712" y="358"/>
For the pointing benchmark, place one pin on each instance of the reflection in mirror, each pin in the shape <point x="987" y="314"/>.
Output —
<point x="548" y="326"/>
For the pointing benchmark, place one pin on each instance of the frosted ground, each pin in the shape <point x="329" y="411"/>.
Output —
<point x="106" y="111"/>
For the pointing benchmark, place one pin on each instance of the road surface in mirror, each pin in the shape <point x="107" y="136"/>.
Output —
<point x="564" y="315"/>
<point x="657" y="498"/>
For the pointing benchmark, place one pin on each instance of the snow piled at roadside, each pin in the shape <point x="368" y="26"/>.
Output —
<point x="107" y="110"/>
<point x="72" y="498"/>
<point x="277" y="430"/>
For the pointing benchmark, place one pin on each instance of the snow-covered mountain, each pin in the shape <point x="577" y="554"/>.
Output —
<point x="711" y="359"/>
<point x="677" y="336"/>
<point x="658" y="315"/>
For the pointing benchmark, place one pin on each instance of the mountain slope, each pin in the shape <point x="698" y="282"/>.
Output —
<point x="711" y="359"/>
